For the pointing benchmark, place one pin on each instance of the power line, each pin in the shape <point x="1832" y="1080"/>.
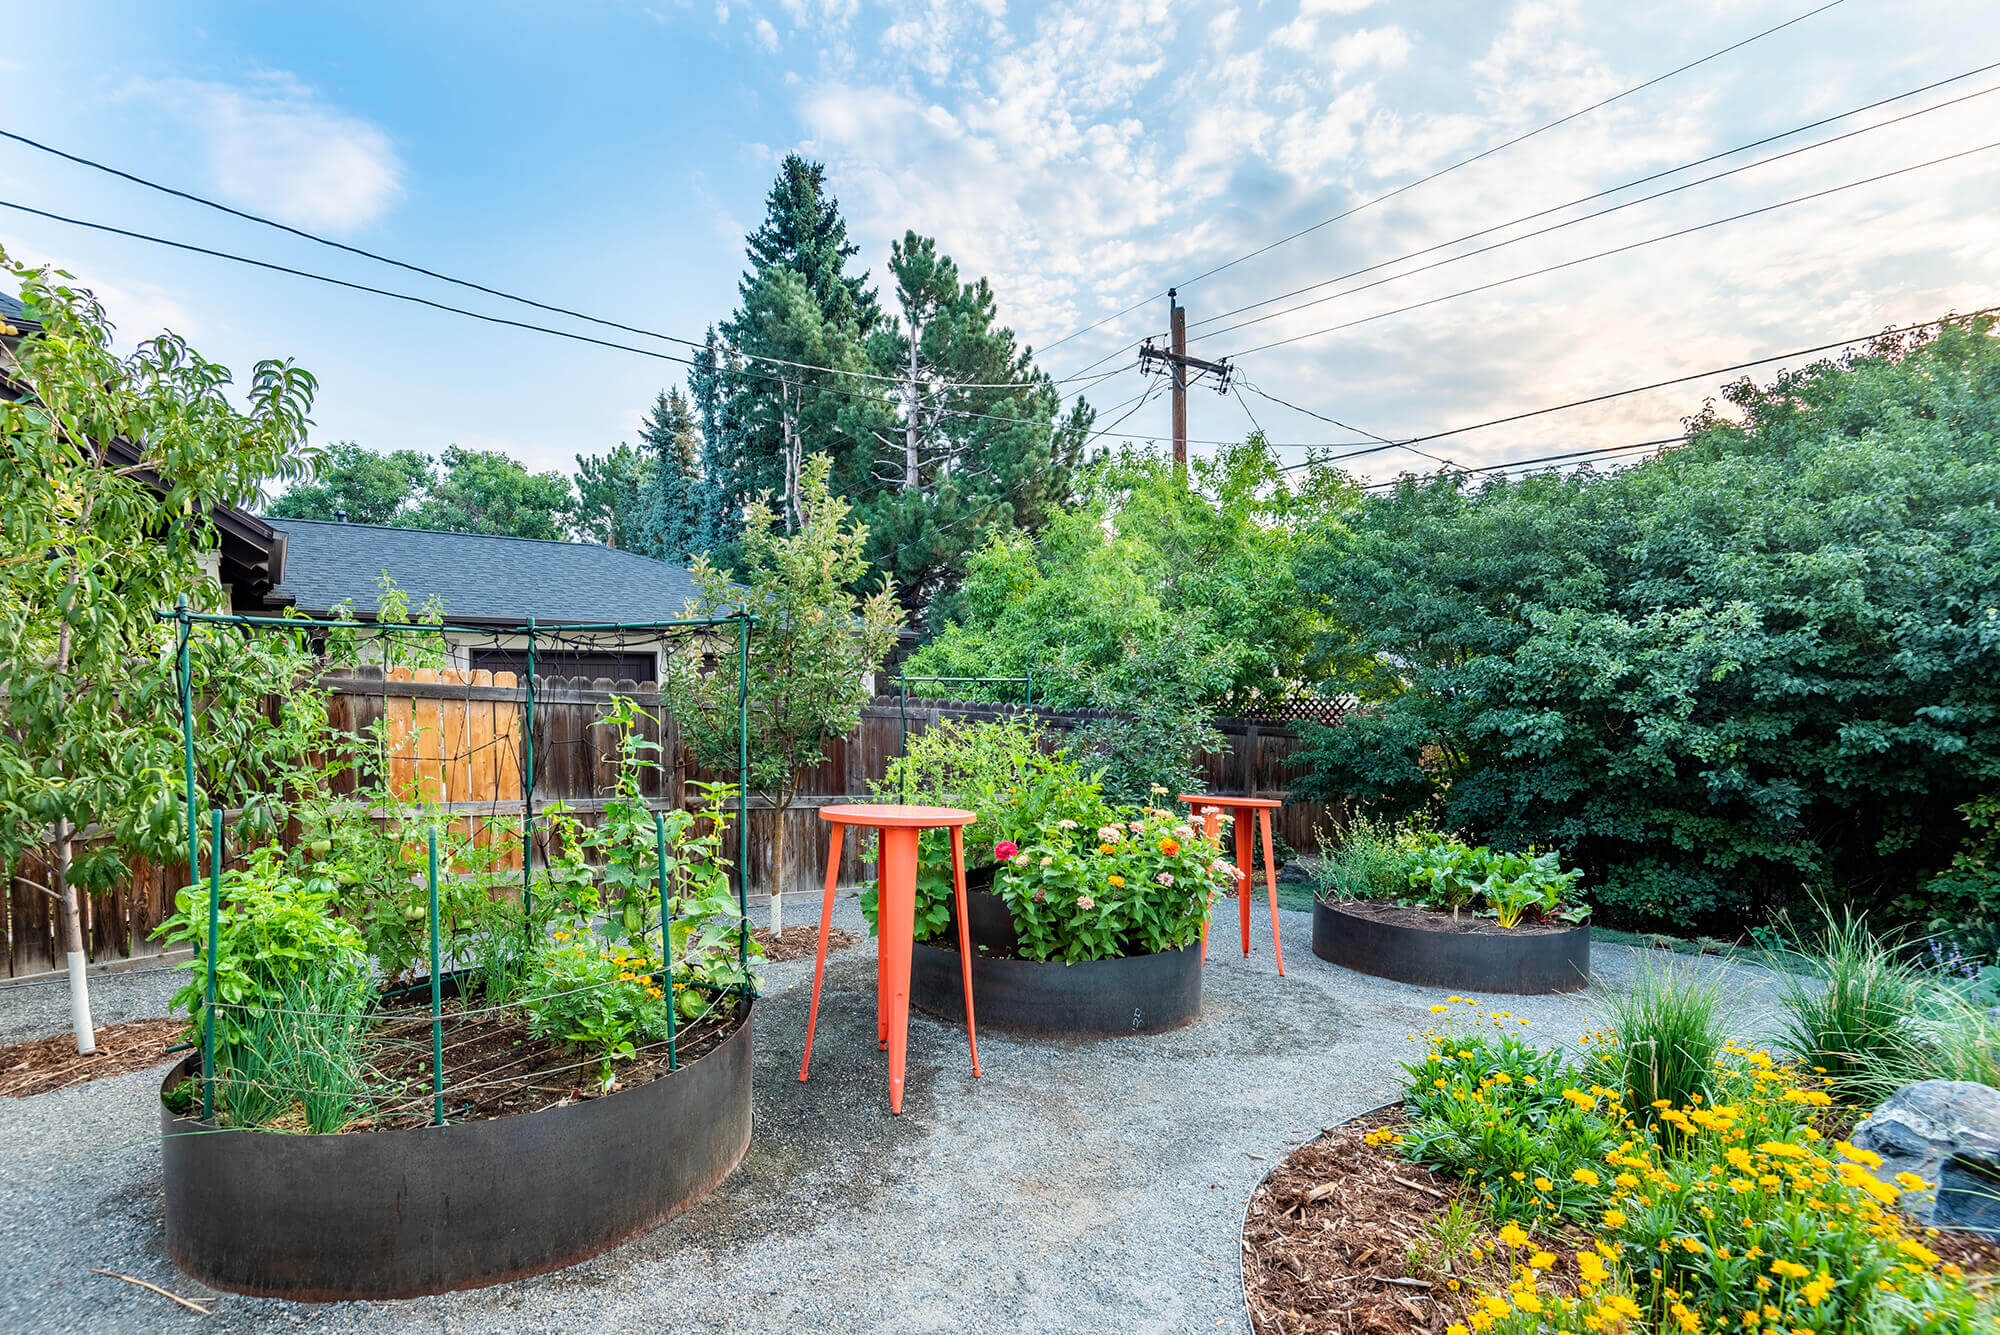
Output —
<point x="1698" y="375"/>
<point x="1618" y="250"/>
<point x="467" y="283"/>
<point x="1444" y="171"/>
<point x="1387" y="443"/>
<point x="501" y="320"/>
<point x="1557" y="208"/>
<point x="1572" y="456"/>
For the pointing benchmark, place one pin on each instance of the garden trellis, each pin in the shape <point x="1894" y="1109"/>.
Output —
<point x="439" y="741"/>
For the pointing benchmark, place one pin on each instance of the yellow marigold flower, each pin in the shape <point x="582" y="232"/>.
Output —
<point x="1916" y="1251"/>
<point x="1439" y="1010"/>
<point x="1528" y="1303"/>
<point x="1512" y="1235"/>
<point x="1693" y="1245"/>
<point x="1518" y="1175"/>
<point x="1614" y="1218"/>
<point x="1543" y="1184"/>
<point x="1542" y="1261"/>
<point x="1784" y="1269"/>
<point x="1815" y="1293"/>
<point x="1867" y="1158"/>
<point x="1911" y="1182"/>
<point x="1585" y="1176"/>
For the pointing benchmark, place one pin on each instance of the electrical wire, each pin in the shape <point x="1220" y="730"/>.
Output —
<point x="1344" y="426"/>
<point x="1571" y="222"/>
<point x="1572" y="456"/>
<point x="1444" y="171"/>
<point x="467" y="283"/>
<point x="1617" y="250"/>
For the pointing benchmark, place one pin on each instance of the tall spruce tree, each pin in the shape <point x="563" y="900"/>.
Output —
<point x="669" y="509"/>
<point x="971" y="438"/>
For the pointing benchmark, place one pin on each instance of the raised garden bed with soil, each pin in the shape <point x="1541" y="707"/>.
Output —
<point x="1134" y="994"/>
<point x="535" y="1169"/>
<point x="1429" y="948"/>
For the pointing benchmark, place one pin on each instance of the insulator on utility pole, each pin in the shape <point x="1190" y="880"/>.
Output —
<point x="1174" y="361"/>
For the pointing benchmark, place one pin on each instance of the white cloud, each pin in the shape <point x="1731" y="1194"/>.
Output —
<point x="274" y="145"/>
<point x="767" y="36"/>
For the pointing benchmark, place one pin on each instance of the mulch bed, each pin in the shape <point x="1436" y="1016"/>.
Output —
<point x="1431" y="920"/>
<point x="45" y="1064"/>
<point x="801" y="942"/>
<point x="1326" y="1243"/>
<point x="1327" y="1239"/>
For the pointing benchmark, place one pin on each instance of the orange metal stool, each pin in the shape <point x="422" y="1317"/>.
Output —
<point x="895" y="922"/>
<point x="1240" y="811"/>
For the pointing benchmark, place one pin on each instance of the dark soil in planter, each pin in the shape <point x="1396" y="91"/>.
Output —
<point x="1434" y="920"/>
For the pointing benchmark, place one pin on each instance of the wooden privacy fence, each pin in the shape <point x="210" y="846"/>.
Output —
<point x="456" y="738"/>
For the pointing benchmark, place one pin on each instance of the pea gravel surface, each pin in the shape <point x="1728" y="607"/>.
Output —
<point x="1081" y="1186"/>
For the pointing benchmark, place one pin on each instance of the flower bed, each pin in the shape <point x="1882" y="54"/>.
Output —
<point x="1420" y="908"/>
<point x="1563" y="1199"/>
<point x="1096" y="908"/>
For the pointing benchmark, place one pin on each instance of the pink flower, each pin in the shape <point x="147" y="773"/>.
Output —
<point x="1165" y="878"/>
<point x="1005" y="850"/>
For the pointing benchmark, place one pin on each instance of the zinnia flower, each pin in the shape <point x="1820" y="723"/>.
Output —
<point x="1116" y="880"/>
<point x="1085" y="902"/>
<point x="1166" y="878"/>
<point x="1005" y="850"/>
<point x="1169" y="847"/>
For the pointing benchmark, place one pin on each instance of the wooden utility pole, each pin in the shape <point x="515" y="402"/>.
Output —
<point x="1175" y="362"/>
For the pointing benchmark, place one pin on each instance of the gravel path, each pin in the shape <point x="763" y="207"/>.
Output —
<point x="1079" y="1187"/>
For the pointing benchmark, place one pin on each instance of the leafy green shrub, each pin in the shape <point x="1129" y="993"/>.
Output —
<point x="1141" y="883"/>
<point x="1848" y="1011"/>
<point x="1665" y="1035"/>
<point x="1421" y="867"/>
<point x="1759" y="665"/>
<point x="1370" y="861"/>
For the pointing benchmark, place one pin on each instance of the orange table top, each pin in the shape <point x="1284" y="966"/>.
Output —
<point x="1218" y="800"/>
<point x="891" y="816"/>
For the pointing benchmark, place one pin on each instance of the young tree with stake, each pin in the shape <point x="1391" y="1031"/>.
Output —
<point x="812" y="649"/>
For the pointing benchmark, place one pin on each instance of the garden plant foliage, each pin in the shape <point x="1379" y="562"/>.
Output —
<point x="1765" y="663"/>
<point x="1728" y="1210"/>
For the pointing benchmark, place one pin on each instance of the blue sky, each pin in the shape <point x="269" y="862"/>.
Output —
<point x="1084" y="156"/>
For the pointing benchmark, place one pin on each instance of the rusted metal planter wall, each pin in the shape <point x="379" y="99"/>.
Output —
<point x="395" y="1214"/>
<point x="1140" y="994"/>
<point x="1516" y="963"/>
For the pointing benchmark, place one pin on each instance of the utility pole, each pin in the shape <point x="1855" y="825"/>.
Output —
<point x="1175" y="362"/>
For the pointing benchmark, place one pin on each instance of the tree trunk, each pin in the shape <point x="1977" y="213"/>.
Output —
<point x="780" y="865"/>
<point x="72" y="917"/>
<point x="912" y="472"/>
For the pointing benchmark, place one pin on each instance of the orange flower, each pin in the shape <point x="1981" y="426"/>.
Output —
<point x="1169" y="847"/>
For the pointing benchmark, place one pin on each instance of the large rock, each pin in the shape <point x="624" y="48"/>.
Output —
<point x="1947" y="1132"/>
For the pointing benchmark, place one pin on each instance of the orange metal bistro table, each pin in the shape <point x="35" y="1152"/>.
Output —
<point x="1241" y="810"/>
<point x="895" y="922"/>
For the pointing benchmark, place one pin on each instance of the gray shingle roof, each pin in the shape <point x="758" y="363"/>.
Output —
<point x="479" y="577"/>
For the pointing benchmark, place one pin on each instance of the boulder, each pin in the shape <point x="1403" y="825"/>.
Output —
<point x="1947" y="1132"/>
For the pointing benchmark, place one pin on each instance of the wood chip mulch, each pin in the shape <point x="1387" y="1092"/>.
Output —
<point x="46" y="1064"/>
<point x="1326" y="1248"/>
<point x="801" y="942"/>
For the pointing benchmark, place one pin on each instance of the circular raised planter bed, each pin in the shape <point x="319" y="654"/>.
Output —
<point x="397" y="1214"/>
<point x="1475" y="959"/>
<point x="1136" y="994"/>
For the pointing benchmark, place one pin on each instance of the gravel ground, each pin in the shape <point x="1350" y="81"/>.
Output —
<point x="1078" y="1187"/>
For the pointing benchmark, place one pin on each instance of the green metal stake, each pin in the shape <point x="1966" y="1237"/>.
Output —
<point x="437" y="999"/>
<point x="743" y="798"/>
<point x="528" y="787"/>
<point x="666" y="938"/>
<point x="187" y="741"/>
<point x="208" y="1006"/>
<point x="1029" y="703"/>
<point x="902" y="735"/>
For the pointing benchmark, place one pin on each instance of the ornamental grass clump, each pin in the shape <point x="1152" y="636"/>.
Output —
<point x="1664" y="1036"/>
<point x="1731" y="1210"/>
<point x="1849" y="1011"/>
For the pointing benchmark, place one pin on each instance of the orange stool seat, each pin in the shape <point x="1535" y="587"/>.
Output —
<point x="1240" y="809"/>
<point x="895" y="922"/>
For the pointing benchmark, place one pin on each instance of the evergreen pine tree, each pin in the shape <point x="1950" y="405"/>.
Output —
<point x="670" y="508"/>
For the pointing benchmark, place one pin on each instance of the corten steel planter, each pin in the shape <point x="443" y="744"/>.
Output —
<point x="397" y="1214"/>
<point x="1481" y="960"/>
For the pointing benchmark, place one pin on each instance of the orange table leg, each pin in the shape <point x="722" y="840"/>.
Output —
<point x="1211" y="826"/>
<point x="819" y="969"/>
<point x="964" y="938"/>
<point x="898" y="916"/>
<point x="1270" y="887"/>
<point x="1246" y="836"/>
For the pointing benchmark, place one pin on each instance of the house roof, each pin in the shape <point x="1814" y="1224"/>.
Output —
<point x="479" y="577"/>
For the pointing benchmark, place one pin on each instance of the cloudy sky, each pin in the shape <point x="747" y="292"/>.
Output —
<point x="1086" y="156"/>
